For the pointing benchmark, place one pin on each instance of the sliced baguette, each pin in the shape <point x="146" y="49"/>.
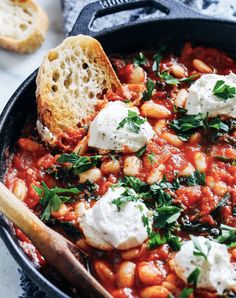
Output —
<point x="69" y="82"/>
<point x="23" y="25"/>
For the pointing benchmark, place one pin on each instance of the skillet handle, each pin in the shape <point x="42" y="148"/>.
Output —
<point x="90" y="12"/>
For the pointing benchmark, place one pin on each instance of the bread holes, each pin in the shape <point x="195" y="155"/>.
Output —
<point x="53" y="55"/>
<point x="85" y="66"/>
<point x="54" y="88"/>
<point x="68" y="81"/>
<point x="55" y="76"/>
<point x="23" y="27"/>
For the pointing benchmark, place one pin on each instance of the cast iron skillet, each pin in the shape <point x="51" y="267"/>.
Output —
<point x="179" y="24"/>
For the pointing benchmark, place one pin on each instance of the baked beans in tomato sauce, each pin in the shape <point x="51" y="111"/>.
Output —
<point x="143" y="271"/>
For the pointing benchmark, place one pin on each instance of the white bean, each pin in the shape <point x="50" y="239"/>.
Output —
<point x="156" y="175"/>
<point x="200" y="161"/>
<point x="92" y="175"/>
<point x="132" y="166"/>
<point x="20" y="189"/>
<point x="181" y="97"/>
<point x="154" y="110"/>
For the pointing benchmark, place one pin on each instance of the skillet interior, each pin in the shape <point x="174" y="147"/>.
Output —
<point x="126" y="39"/>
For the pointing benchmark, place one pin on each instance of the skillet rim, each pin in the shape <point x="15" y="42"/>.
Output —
<point x="6" y="234"/>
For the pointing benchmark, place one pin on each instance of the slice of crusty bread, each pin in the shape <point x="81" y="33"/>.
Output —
<point x="69" y="82"/>
<point x="23" y="25"/>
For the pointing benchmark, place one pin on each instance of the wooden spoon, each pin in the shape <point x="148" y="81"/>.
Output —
<point x="59" y="252"/>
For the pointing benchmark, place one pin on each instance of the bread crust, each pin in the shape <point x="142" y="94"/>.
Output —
<point x="69" y="81"/>
<point x="32" y="42"/>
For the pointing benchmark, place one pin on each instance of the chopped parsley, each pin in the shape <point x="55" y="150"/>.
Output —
<point x="140" y="60"/>
<point x="133" y="122"/>
<point x="129" y="195"/>
<point x="197" y="178"/>
<point x="222" y="202"/>
<point x="151" y="157"/>
<point x="226" y="159"/>
<point x="52" y="198"/>
<point x="228" y="236"/>
<point x="171" y="80"/>
<point x="157" y="59"/>
<point x="186" y="125"/>
<point x="141" y="151"/>
<point x="224" y="91"/>
<point x="193" y="277"/>
<point x="199" y="250"/>
<point x="79" y="164"/>
<point x="166" y="215"/>
<point x="137" y="184"/>
<point x="186" y="293"/>
<point x="150" y="87"/>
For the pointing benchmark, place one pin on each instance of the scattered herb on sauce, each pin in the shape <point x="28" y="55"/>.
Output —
<point x="166" y="215"/>
<point x="151" y="157"/>
<point x="150" y="87"/>
<point x="140" y="60"/>
<point x="186" y="293"/>
<point x="197" y="178"/>
<point x="228" y="236"/>
<point x="141" y="151"/>
<point x="224" y="91"/>
<point x="52" y="198"/>
<point x="157" y="59"/>
<point x="171" y="80"/>
<point x="133" y="122"/>
<point x="79" y="164"/>
<point x="226" y="159"/>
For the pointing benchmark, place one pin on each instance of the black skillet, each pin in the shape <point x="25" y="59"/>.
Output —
<point x="180" y="24"/>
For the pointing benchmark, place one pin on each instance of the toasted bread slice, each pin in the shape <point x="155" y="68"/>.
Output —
<point x="23" y="25"/>
<point x="70" y="82"/>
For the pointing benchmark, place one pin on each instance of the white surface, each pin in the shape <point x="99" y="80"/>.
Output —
<point x="14" y="69"/>
<point x="105" y="134"/>
<point x="109" y="226"/>
<point x="201" y="98"/>
<point x="216" y="271"/>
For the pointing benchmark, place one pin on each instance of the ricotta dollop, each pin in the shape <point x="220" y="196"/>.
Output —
<point x="113" y="228"/>
<point x="217" y="273"/>
<point x="202" y="100"/>
<point x="104" y="132"/>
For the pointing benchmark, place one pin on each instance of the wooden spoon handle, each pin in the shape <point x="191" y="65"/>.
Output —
<point x="58" y="251"/>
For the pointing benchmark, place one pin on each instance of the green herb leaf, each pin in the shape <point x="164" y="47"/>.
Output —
<point x="186" y="293"/>
<point x="133" y="122"/>
<point x="79" y="164"/>
<point x="150" y="87"/>
<point x="141" y="151"/>
<point x="137" y="184"/>
<point x="228" y="236"/>
<point x="224" y="91"/>
<point x="186" y="125"/>
<point x="225" y="159"/>
<point x="140" y="60"/>
<point x="173" y="241"/>
<point x="151" y="157"/>
<point x="223" y="202"/>
<point x="129" y="195"/>
<point x="166" y="215"/>
<point x="171" y="80"/>
<point x="193" y="277"/>
<point x="197" y="178"/>
<point x="155" y="240"/>
<point x="51" y="198"/>
<point x="157" y="59"/>
<point x="198" y="249"/>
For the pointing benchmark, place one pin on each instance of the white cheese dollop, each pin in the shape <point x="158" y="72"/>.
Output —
<point x="217" y="273"/>
<point x="103" y="132"/>
<point x="202" y="100"/>
<point x="109" y="227"/>
<point x="45" y="133"/>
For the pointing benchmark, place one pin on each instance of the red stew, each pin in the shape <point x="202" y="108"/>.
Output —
<point x="144" y="271"/>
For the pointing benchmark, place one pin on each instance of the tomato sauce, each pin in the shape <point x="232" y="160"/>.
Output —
<point x="32" y="162"/>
